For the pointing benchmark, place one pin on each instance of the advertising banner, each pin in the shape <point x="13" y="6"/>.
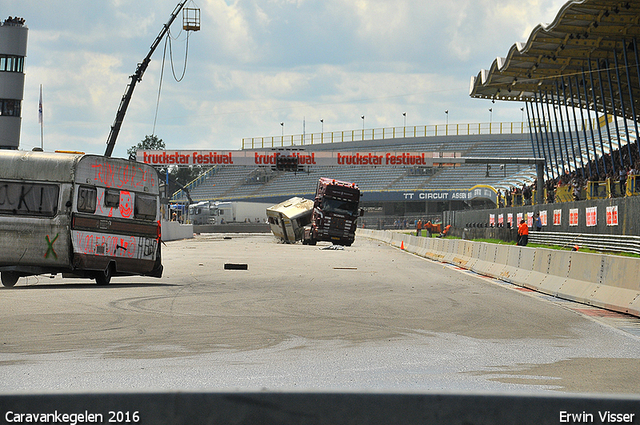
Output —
<point x="592" y="216"/>
<point x="612" y="215"/>
<point x="268" y="158"/>
<point x="573" y="217"/>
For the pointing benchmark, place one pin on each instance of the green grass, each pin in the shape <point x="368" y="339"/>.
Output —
<point x="536" y="245"/>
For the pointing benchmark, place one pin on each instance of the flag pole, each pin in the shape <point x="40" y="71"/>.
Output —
<point x="41" y="120"/>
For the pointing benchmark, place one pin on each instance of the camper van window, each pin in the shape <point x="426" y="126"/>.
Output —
<point x="111" y="198"/>
<point x="87" y="199"/>
<point x="145" y="207"/>
<point x="18" y="198"/>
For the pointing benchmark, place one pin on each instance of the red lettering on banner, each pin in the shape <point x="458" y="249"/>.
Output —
<point x="212" y="158"/>
<point x="358" y="159"/>
<point x="592" y="216"/>
<point x="165" y="158"/>
<point x="306" y="159"/>
<point x="266" y="159"/>
<point x="612" y="215"/>
<point x="573" y="217"/>
<point x="405" y="159"/>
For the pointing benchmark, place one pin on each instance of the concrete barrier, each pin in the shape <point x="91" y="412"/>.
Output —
<point x="486" y="259"/>
<point x="451" y="250"/>
<point x="437" y="251"/>
<point x="618" y="284"/>
<point x="605" y="281"/>
<point x="559" y="265"/>
<point x="499" y="260"/>
<point x="539" y="269"/>
<point x="526" y="262"/>
<point x="463" y="254"/>
<point x="172" y="230"/>
<point x="474" y="254"/>
<point x="512" y="264"/>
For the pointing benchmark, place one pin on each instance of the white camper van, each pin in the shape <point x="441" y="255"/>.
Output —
<point x="287" y="219"/>
<point x="76" y="214"/>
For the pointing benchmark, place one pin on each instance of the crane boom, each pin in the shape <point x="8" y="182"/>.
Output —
<point x="135" y="79"/>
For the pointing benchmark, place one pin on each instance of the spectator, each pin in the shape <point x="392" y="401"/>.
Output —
<point x="523" y="233"/>
<point x="538" y="222"/>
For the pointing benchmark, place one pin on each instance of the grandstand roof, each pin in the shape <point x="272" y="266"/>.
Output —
<point x="584" y="33"/>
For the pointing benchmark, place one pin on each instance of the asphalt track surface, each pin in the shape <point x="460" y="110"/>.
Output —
<point x="369" y="317"/>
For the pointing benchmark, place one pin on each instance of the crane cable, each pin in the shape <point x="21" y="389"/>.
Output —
<point x="173" y="71"/>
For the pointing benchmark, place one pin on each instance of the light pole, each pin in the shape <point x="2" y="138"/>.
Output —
<point x="404" y="129"/>
<point x="362" y="126"/>
<point x="490" y="119"/>
<point x="322" y="131"/>
<point x="282" y="141"/>
<point x="446" y="128"/>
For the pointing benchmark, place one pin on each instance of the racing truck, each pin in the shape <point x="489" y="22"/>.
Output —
<point x="332" y="216"/>
<point x="335" y="213"/>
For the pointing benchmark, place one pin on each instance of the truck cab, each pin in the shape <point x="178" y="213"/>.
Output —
<point x="335" y="213"/>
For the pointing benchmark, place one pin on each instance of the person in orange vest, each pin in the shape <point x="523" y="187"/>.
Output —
<point x="523" y="233"/>
<point x="419" y="228"/>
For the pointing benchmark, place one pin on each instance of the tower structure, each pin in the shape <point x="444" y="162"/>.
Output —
<point x="13" y="49"/>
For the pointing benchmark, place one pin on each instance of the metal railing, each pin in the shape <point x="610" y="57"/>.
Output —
<point x="385" y="133"/>
<point x="599" y="242"/>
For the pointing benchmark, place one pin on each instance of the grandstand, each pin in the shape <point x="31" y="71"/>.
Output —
<point x="579" y="81"/>
<point x="386" y="186"/>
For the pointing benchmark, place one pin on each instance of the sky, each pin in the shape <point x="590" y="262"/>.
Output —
<point x="258" y="63"/>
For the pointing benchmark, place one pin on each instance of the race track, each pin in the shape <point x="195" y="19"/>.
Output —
<point x="364" y="318"/>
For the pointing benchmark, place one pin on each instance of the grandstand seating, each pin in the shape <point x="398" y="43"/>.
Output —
<point x="235" y="182"/>
<point x="239" y="182"/>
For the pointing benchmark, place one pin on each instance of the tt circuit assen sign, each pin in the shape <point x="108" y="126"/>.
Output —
<point x="269" y="158"/>
<point x="476" y="192"/>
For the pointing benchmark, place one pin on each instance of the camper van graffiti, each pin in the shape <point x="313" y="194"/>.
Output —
<point x="79" y="215"/>
<point x="121" y="176"/>
<point x="118" y="246"/>
<point x="19" y="198"/>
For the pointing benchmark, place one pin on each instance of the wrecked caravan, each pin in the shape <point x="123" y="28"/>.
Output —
<point x="80" y="215"/>
<point x="288" y="219"/>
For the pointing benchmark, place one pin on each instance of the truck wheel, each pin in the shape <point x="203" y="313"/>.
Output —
<point x="9" y="279"/>
<point x="103" y="278"/>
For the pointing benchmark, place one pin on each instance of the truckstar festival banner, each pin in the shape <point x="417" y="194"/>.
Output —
<point x="269" y="158"/>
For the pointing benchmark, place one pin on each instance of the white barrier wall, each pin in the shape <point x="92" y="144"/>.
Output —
<point x="172" y="230"/>
<point x="606" y="281"/>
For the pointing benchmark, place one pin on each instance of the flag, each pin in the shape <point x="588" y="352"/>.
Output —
<point x="40" y="120"/>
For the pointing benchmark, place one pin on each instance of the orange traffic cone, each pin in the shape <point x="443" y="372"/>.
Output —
<point x="402" y="245"/>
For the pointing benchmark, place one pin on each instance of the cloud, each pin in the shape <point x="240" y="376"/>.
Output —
<point x="255" y="64"/>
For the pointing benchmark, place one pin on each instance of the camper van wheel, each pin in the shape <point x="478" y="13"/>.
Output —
<point x="9" y="279"/>
<point x="103" y="278"/>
